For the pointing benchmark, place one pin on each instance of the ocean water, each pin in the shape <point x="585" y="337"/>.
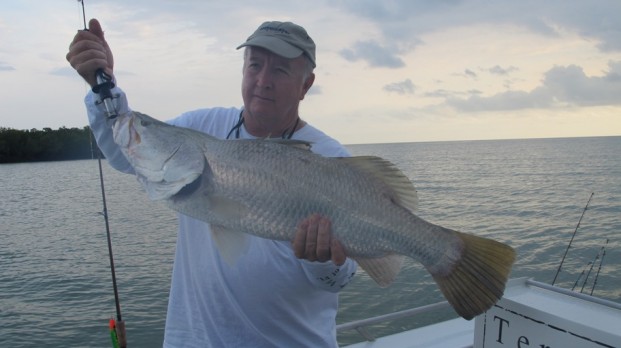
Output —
<point x="55" y="283"/>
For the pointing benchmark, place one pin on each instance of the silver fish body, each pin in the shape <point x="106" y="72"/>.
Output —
<point x="266" y="188"/>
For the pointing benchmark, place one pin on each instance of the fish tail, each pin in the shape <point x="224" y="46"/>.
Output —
<point x="477" y="280"/>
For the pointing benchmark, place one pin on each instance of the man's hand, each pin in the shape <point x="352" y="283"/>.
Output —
<point x="314" y="241"/>
<point x="89" y="52"/>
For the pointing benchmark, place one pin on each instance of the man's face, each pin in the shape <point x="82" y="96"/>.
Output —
<point x="272" y="87"/>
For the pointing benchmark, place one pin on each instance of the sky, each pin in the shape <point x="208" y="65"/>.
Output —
<point x="387" y="71"/>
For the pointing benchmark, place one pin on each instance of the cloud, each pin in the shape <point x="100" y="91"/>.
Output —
<point x="561" y="86"/>
<point x="600" y="21"/>
<point x="6" y="67"/>
<point x="439" y="93"/>
<point x="314" y="90"/>
<point x="403" y="87"/>
<point x="570" y="84"/>
<point x="470" y="73"/>
<point x="467" y="74"/>
<point x="402" y="20"/>
<point x="374" y="53"/>
<point x="445" y="94"/>
<point x="509" y="100"/>
<point x="498" y="70"/>
<point x="66" y="71"/>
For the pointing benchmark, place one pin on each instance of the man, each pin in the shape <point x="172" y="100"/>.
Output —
<point x="278" y="294"/>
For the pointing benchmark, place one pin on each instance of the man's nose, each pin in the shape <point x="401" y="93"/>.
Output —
<point x="265" y="78"/>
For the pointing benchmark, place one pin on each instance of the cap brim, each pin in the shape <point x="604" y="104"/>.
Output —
<point x="274" y="45"/>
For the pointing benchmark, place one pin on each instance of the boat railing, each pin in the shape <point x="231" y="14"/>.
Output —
<point x="361" y="325"/>
<point x="575" y="294"/>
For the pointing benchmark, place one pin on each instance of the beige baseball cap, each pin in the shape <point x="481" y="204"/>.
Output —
<point x="285" y="39"/>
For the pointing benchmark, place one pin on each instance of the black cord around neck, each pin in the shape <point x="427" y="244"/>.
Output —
<point x="237" y="127"/>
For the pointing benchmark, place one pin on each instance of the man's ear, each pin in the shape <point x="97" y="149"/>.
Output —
<point x="307" y="85"/>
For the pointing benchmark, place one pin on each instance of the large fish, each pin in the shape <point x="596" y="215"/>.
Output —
<point x="266" y="188"/>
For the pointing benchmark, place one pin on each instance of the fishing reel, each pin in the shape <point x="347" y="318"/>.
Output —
<point x="103" y="88"/>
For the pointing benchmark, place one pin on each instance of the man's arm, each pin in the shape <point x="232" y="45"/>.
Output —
<point x="88" y="53"/>
<point x="102" y="128"/>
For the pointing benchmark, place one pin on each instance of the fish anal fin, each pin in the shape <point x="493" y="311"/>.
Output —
<point x="401" y="189"/>
<point x="382" y="270"/>
<point x="477" y="280"/>
<point x="231" y="245"/>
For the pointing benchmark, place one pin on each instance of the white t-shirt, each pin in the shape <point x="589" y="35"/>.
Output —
<point x="269" y="298"/>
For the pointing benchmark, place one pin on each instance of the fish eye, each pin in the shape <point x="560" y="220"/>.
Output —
<point x="145" y="123"/>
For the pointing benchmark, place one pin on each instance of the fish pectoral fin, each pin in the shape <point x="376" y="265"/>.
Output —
<point x="383" y="270"/>
<point x="231" y="245"/>
<point x="227" y="208"/>
<point x="161" y="190"/>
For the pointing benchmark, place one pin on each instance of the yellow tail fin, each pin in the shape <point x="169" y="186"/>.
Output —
<point x="478" y="279"/>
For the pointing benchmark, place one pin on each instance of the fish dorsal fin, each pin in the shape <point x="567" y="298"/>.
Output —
<point x="386" y="172"/>
<point x="383" y="270"/>
<point x="231" y="245"/>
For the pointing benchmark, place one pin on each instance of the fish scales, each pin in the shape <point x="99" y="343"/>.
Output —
<point x="266" y="188"/>
<point x="259" y="172"/>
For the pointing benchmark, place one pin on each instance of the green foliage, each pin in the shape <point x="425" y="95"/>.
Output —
<point x="45" y="145"/>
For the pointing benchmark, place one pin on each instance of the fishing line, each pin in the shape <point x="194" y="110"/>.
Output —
<point x="117" y="329"/>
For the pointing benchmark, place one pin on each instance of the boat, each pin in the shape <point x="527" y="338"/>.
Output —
<point x="530" y="314"/>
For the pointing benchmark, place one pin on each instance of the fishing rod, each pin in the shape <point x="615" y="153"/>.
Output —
<point x="104" y="82"/>
<point x="592" y="263"/>
<point x="572" y="239"/>
<point x="601" y="261"/>
<point x="117" y="328"/>
<point x="580" y="276"/>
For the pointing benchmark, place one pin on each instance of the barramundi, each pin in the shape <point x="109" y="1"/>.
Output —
<point x="267" y="187"/>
